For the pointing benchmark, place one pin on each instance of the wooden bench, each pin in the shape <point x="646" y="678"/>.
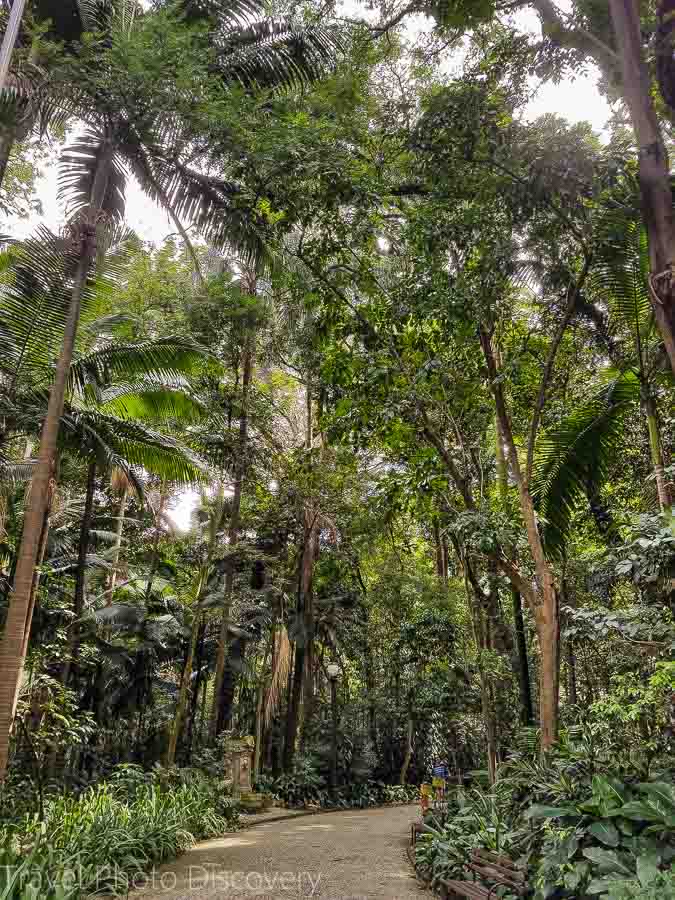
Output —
<point x="416" y="829"/>
<point x="495" y="870"/>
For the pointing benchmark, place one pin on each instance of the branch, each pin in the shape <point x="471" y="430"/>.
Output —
<point x="519" y="582"/>
<point x="553" y="26"/>
<point x="379" y="30"/>
<point x="457" y="477"/>
<point x="550" y="362"/>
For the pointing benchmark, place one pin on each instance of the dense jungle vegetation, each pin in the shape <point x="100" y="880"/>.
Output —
<point x="407" y="359"/>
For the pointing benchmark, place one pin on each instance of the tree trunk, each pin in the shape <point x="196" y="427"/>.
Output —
<point x="309" y="553"/>
<point x="410" y="726"/>
<point x="656" y="448"/>
<point x="184" y="692"/>
<point x="260" y="696"/>
<point x="233" y="538"/>
<point x="654" y="169"/>
<point x="293" y="712"/>
<point x="522" y="662"/>
<point x="11" y="661"/>
<point x="199" y="663"/>
<point x="233" y="669"/>
<point x="526" y="710"/>
<point x="544" y="598"/>
<point x="80" y="574"/>
<point x="119" y="528"/>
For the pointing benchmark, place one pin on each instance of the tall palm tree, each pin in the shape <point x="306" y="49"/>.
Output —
<point x="35" y="303"/>
<point x="145" y="134"/>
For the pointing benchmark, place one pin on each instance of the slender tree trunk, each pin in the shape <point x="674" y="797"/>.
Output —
<point x="309" y="554"/>
<point x="80" y="575"/>
<point x="526" y="710"/>
<point x="233" y="539"/>
<point x="117" y="547"/>
<point x="654" y="167"/>
<point x="184" y="692"/>
<point x="194" y="704"/>
<point x="11" y="661"/>
<point x="410" y="727"/>
<point x="544" y="599"/>
<point x="523" y="666"/>
<point x="293" y="711"/>
<point x="260" y="697"/>
<point x="656" y="448"/>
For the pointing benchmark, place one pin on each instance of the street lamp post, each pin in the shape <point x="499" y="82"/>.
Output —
<point x="333" y="671"/>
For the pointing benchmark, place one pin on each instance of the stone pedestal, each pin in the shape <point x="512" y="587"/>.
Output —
<point x="239" y="765"/>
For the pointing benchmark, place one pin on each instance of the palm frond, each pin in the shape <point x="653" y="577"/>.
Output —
<point x="129" y="445"/>
<point x="220" y="210"/>
<point x="166" y="358"/>
<point x="276" y="54"/>
<point x="282" y="666"/>
<point x="148" y="403"/>
<point x="578" y="452"/>
<point x="13" y="473"/>
<point x="620" y="275"/>
<point x="78" y="166"/>
<point x="219" y="12"/>
<point x="34" y="301"/>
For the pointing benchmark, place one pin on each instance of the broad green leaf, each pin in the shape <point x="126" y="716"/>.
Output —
<point x="539" y="811"/>
<point x="660" y="791"/>
<point x="638" y="811"/>
<point x="605" y="832"/>
<point x="602" y="885"/>
<point x="607" y="860"/>
<point x="647" y="868"/>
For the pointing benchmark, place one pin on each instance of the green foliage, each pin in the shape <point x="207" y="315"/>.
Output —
<point x="106" y="839"/>
<point x="577" y="453"/>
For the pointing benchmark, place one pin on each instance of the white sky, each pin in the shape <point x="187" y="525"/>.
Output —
<point x="575" y="99"/>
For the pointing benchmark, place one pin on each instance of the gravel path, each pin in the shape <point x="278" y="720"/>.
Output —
<point x="353" y="855"/>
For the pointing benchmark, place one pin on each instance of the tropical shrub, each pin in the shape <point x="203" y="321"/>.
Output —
<point x="106" y="839"/>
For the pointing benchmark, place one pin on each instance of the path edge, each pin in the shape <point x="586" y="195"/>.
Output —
<point x="288" y="814"/>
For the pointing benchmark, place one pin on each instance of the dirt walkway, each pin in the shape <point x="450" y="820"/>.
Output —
<point x="352" y="855"/>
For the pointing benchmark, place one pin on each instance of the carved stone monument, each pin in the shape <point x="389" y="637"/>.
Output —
<point x="239" y="764"/>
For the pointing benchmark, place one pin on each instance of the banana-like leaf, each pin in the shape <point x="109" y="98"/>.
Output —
<point x="576" y="452"/>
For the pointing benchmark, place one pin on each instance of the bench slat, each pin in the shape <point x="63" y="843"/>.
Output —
<point x="467" y="889"/>
<point x="498" y="859"/>
<point x="492" y="873"/>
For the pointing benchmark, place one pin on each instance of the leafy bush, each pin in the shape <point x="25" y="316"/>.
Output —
<point x="474" y="820"/>
<point x="619" y="836"/>
<point x="108" y="836"/>
<point x="306" y="787"/>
